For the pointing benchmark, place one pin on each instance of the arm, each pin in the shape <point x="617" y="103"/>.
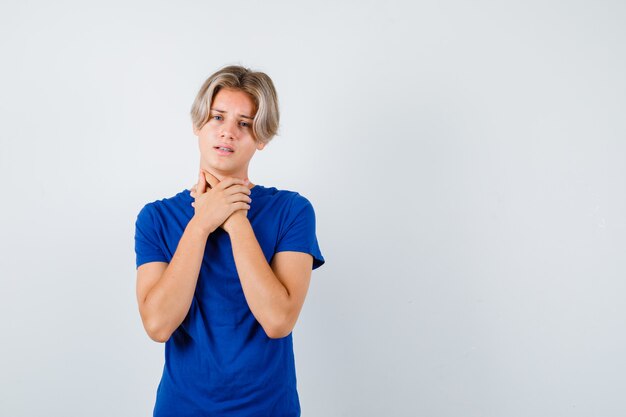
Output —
<point x="274" y="294"/>
<point x="165" y="291"/>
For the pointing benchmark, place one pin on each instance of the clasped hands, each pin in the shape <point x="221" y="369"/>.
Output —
<point x="222" y="204"/>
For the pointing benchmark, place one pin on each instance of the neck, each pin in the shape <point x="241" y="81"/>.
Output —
<point x="221" y="175"/>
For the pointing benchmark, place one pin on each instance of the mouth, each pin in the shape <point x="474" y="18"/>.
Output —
<point x="223" y="150"/>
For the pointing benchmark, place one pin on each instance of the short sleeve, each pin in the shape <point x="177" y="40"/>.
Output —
<point x="298" y="231"/>
<point x="147" y="243"/>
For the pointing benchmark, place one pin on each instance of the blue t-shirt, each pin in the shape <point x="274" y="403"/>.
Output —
<point x="219" y="361"/>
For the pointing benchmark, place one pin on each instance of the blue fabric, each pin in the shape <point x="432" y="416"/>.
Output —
<point x="220" y="362"/>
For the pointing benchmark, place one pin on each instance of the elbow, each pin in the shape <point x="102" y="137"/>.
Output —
<point x="157" y="332"/>
<point x="277" y="333"/>
<point x="159" y="337"/>
<point x="279" y="329"/>
<point x="155" y="326"/>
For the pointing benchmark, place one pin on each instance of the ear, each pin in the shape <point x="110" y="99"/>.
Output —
<point x="260" y="145"/>
<point x="195" y="131"/>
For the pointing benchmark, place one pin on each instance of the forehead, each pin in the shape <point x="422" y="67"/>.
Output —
<point x="232" y="100"/>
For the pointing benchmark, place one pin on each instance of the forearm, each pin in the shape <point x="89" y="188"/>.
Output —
<point x="168" y="302"/>
<point x="267" y="297"/>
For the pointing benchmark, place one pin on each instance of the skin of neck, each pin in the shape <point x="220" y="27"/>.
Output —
<point x="220" y="175"/>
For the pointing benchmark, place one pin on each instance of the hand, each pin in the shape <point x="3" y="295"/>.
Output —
<point x="237" y="215"/>
<point x="215" y="205"/>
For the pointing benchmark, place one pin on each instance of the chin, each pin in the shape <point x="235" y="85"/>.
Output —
<point x="221" y="167"/>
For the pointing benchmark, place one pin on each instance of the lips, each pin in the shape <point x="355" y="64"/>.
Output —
<point x="224" y="146"/>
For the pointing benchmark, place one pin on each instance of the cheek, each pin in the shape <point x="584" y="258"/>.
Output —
<point x="205" y="149"/>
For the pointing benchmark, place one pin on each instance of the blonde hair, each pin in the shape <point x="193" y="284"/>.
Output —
<point x="257" y="84"/>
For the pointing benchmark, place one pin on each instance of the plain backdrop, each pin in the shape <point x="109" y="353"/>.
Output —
<point x="466" y="161"/>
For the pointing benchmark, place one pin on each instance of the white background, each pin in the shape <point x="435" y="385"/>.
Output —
<point x="466" y="161"/>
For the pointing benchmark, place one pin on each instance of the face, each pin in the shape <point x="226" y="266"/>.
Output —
<point x="229" y="125"/>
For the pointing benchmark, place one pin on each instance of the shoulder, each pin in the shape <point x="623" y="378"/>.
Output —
<point x="288" y="200"/>
<point x="287" y="208"/>
<point x="164" y="206"/>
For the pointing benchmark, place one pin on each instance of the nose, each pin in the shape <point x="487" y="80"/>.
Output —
<point x="227" y="130"/>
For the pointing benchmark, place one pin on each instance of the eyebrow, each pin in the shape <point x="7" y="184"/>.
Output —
<point x="242" y="115"/>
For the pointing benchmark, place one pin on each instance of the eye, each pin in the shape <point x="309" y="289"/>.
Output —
<point x="215" y="116"/>
<point x="245" y="124"/>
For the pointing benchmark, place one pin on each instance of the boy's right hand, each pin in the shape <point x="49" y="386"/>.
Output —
<point x="214" y="205"/>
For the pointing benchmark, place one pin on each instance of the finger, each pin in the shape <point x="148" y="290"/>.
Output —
<point x="237" y="192"/>
<point x="240" y="206"/>
<point x="231" y="197"/>
<point x="213" y="182"/>
<point x="234" y="189"/>
<point x="201" y="183"/>
<point x="238" y="197"/>
<point x="230" y="181"/>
